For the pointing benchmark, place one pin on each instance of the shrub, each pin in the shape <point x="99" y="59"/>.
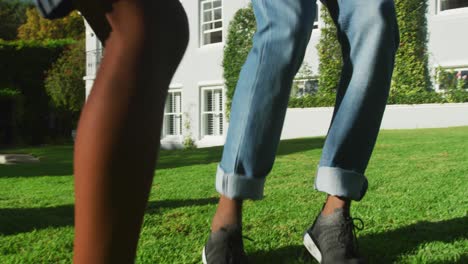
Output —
<point x="453" y="85"/>
<point x="238" y="44"/>
<point x="411" y="73"/>
<point x="411" y="82"/>
<point x="330" y="56"/>
<point x="64" y="82"/>
<point x="9" y="93"/>
<point x="23" y="66"/>
<point x="12" y="15"/>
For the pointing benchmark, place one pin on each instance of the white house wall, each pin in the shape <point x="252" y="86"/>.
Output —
<point x="448" y="38"/>
<point x="201" y="67"/>
<point x="313" y="122"/>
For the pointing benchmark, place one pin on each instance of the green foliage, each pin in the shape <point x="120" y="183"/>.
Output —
<point x="189" y="142"/>
<point x="316" y="100"/>
<point x="449" y="79"/>
<point x="38" y="28"/>
<point x="411" y="72"/>
<point x="64" y="82"/>
<point x="457" y="96"/>
<point x="9" y="93"/>
<point x="411" y="82"/>
<point x="453" y="85"/>
<point x="12" y="15"/>
<point x="329" y="53"/>
<point x="416" y="97"/>
<point x="23" y="66"/>
<point x="238" y="44"/>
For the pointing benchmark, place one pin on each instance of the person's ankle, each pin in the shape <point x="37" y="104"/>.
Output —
<point x="335" y="202"/>
<point x="228" y="214"/>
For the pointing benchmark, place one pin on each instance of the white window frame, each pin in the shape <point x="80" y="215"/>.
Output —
<point x="220" y="129"/>
<point x="178" y="115"/>
<point x="462" y="10"/>
<point x="301" y="83"/>
<point x="213" y="21"/>
<point x="448" y="68"/>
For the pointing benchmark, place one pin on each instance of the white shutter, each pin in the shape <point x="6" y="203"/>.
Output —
<point x="218" y="101"/>
<point x="173" y="114"/>
<point x="178" y="113"/>
<point x="212" y="114"/>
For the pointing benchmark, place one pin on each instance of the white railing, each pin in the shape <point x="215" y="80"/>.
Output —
<point x="93" y="59"/>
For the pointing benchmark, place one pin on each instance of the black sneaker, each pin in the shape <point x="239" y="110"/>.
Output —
<point x="331" y="239"/>
<point x="225" y="247"/>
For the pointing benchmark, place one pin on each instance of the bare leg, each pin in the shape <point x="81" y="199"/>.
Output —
<point x="228" y="213"/>
<point x="119" y="130"/>
<point x="335" y="202"/>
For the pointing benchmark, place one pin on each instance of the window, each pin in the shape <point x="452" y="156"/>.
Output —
<point x="449" y="79"/>
<point x="446" y="5"/>
<point x="303" y="87"/>
<point x="173" y="114"/>
<point x="211" y="21"/>
<point x="212" y="111"/>
<point x="93" y="59"/>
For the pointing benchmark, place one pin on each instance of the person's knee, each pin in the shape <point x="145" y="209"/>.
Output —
<point x="378" y="17"/>
<point x="144" y="24"/>
<point x="298" y="28"/>
<point x="286" y="39"/>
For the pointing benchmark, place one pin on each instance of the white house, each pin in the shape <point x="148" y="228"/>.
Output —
<point x="196" y="100"/>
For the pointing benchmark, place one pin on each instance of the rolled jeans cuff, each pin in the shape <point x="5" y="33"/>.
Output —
<point x="341" y="182"/>
<point x="237" y="186"/>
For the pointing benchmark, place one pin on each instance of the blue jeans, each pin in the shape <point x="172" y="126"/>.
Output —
<point x="368" y="34"/>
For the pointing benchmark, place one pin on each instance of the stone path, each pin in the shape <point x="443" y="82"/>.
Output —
<point x="17" y="158"/>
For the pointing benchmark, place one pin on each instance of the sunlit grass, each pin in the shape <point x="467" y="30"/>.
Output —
<point x="415" y="210"/>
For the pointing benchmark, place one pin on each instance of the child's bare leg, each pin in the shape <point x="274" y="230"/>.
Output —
<point x="119" y="130"/>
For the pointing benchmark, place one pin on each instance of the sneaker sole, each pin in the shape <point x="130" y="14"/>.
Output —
<point x="312" y="248"/>
<point x="204" y="256"/>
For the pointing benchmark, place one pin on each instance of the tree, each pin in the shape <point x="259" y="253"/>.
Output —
<point x="39" y="28"/>
<point x="12" y="15"/>
<point x="64" y="81"/>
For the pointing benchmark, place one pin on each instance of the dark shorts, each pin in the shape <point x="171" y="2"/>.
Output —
<point x="53" y="9"/>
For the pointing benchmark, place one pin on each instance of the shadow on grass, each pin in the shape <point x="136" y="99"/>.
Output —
<point x="383" y="247"/>
<point x="20" y="220"/>
<point x="54" y="161"/>
<point x="58" y="160"/>
<point x="181" y="158"/>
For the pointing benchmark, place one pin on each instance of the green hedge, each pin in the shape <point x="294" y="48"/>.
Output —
<point x="238" y="44"/>
<point x="9" y="93"/>
<point x="411" y="73"/>
<point x="64" y="82"/>
<point x="330" y="57"/>
<point x="411" y="83"/>
<point x="23" y="66"/>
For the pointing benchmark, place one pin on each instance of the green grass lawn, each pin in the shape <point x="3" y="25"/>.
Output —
<point x="415" y="210"/>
